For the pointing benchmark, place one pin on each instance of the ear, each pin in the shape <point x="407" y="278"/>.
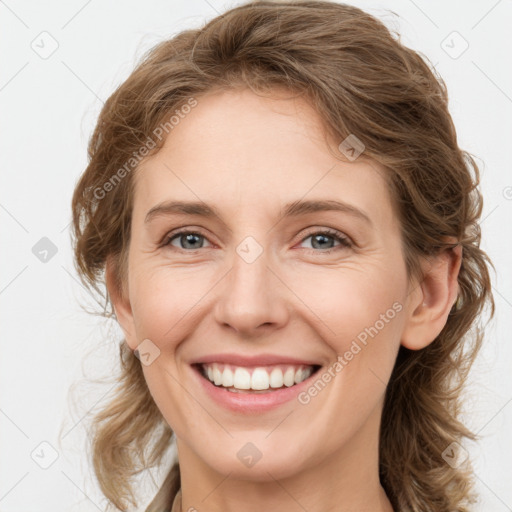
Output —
<point x="120" y="302"/>
<point x="432" y="299"/>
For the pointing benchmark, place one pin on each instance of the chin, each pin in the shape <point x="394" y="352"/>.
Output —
<point x="257" y="462"/>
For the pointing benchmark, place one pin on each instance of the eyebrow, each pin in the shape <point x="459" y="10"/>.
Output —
<point x="294" y="209"/>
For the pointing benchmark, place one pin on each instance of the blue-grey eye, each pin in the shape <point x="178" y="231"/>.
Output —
<point x="326" y="240"/>
<point x="187" y="240"/>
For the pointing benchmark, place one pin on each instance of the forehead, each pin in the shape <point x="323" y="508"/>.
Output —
<point x="238" y="150"/>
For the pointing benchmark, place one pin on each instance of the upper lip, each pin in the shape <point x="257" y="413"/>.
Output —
<point x="256" y="360"/>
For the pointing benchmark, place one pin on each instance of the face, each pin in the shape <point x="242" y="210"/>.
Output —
<point x="286" y="274"/>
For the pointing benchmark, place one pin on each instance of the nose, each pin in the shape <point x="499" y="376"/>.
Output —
<point x="252" y="299"/>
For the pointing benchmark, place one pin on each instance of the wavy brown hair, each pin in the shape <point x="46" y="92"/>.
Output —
<point x="361" y="80"/>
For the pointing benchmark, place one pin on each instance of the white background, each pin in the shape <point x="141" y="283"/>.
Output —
<point x="48" y="110"/>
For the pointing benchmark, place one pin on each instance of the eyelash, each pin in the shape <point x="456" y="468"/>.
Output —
<point x="345" y="242"/>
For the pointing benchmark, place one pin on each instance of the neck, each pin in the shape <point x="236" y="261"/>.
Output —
<point x="346" y="481"/>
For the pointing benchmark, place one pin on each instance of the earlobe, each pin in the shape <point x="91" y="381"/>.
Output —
<point x="120" y="303"/>
<point x="433" y="298"/>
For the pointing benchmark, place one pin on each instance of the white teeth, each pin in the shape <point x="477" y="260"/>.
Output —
<point x="257" y="379"/>
<point x="217" y="376"/>
<point x="276" y="378"/>
<point x="302" y="374"/>
<point x="227" y="377"/>
<point x="242" y="379"/>
<point x="289" y="377"/>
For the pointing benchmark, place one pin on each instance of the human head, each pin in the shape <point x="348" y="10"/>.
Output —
<point x="366" y="84"/>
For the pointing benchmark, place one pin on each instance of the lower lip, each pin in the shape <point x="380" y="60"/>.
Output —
<point x="247" y="403"/>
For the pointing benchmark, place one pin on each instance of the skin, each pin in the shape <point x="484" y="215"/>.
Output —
<point x="248" y="156"/>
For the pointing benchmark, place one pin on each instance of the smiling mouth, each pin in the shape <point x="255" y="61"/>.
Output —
<point x="258" y="379"/>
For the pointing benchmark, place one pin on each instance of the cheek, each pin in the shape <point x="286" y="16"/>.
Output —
<point x="166" y="301"/>
<point x="349" y="302"/>
<point x="360" y="316"/>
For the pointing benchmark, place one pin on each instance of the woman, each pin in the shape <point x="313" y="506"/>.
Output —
<point x="288" y="234"/>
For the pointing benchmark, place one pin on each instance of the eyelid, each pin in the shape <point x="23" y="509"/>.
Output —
<point x="166" y="240"/>
<point x="344" y="239"/>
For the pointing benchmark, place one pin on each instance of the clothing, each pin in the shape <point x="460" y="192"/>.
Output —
<point x="176" y="504"/>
